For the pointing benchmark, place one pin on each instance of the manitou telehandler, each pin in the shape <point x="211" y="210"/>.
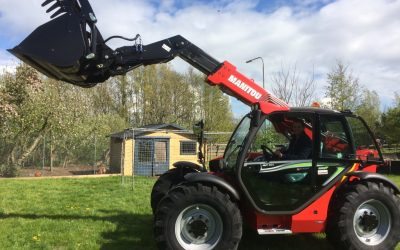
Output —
<point x="334" y="189"/>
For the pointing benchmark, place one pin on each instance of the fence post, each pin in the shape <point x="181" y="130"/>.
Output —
<point x="95" y="152"/>
<point x="133" y="158"/>
<point x="51" y="150"/>
<point x="123" y="159"/>
<point x="44" y="151"/>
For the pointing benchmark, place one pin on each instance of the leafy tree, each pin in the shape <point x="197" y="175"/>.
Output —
<point x="161" y="95"/>
<point x="369" y="109"/>
<point x="343" y="88"/>
<point x="212" y="104"/>
<point x="34" y="109"/>
<point x="103" y="99"/>
<point x="22" y="125"/>
<point x="391" y="122"/>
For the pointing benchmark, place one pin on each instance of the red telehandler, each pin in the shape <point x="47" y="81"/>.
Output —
<point x="333" y="189"/>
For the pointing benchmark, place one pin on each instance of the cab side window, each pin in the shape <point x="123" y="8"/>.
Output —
<point x="267" y="139"/>
<point x="335" y="141"/>
<point x="364" y="144"/>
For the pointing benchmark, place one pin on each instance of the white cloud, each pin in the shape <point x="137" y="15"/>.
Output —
<point x="7" y="63"/>
<point x="363" y="33"/>
<point x="18" y="17"/>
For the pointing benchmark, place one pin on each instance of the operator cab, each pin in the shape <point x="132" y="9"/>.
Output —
<point x="282" y="172"/>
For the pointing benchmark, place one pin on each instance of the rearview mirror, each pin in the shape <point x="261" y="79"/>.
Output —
<point x="198" y="128"/>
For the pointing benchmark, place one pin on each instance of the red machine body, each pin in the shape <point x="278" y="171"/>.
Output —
<point x="238" y="85"/>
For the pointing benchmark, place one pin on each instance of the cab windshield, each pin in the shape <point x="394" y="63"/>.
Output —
<point x="236" y="143"/>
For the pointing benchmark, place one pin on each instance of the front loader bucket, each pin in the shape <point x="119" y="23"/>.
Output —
<point x="56" y="49"/>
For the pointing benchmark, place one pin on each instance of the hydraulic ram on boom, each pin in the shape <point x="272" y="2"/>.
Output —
<point x="70" y="48"/>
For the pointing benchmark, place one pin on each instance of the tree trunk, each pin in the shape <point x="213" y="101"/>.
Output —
<point x="65" y="162"/>
<point x="28" y="150"/>
<point x="51" y="151"/>
<point x="11" y="158"/>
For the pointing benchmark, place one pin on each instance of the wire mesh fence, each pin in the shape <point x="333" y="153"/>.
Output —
<point x="135" y="151"/>
<point x="56" y="156"/>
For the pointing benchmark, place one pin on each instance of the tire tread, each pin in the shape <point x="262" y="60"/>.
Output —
<point x="190" y="191"/>
<point x="345" y="203"/>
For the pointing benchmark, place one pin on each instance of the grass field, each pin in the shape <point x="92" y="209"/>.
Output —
<point x="98" y="213"/>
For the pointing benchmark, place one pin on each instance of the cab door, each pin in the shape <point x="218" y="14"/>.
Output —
<point x="346" y="144"/>
<point x="336" y="151"/>
<point x="278" y="185"/>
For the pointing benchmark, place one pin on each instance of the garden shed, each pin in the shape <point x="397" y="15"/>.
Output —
<point x="154" y="149"/>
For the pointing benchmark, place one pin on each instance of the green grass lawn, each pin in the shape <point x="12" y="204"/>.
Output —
<point x="98" y="213"/>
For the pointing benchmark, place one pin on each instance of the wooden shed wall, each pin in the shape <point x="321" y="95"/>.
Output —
<point x="174" y="146"/>
<point x="115" y="154"/>
<point x="128" y="157"/>
<point x="117" y="158"/>
<point x="117" y="147"/>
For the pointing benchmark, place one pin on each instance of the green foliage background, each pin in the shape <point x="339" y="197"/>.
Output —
<point x="66" y="122"/>
<point x="345" y="93"/>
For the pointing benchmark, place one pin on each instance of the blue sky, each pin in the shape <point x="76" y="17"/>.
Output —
<point x="311" y="34"/>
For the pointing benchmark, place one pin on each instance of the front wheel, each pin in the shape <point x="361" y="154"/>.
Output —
<point x="368" y="217"/>
<point x="197" y="217"/>
<point x="165" y="182"/>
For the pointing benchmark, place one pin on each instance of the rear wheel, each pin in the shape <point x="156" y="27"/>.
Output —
<point x="366" y="217"/>
<point x="196" y="216"/>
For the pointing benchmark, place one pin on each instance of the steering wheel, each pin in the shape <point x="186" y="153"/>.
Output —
<point x="267" y="152"/>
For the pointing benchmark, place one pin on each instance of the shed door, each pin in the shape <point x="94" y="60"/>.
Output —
<point x="151" y="156"/>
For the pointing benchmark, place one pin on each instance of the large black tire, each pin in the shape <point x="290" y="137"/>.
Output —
<point x="365" y="216"/>
<point x="165" y="182"/>
<point x="197" y="216"/>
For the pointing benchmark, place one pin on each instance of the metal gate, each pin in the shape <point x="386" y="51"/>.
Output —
<point x="151" y="156"/>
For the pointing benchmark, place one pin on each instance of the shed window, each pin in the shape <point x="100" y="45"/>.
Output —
<point x="188" y="147"/>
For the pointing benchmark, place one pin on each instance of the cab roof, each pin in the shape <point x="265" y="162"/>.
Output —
<point x="316" y="110"/>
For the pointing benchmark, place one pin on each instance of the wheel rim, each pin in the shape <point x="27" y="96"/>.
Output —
<point x="372" y="222"/>
<point x="198" y="227"/>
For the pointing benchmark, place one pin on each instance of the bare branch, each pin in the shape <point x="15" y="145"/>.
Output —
<point x="289" y="86"/>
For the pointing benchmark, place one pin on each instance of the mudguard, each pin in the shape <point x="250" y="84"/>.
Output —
<point x="374" y="176"/>
<point x="188" y="164"/>
<point x="213" y="179"/>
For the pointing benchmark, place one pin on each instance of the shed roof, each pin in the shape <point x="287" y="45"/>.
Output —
<point x="127" y="133"/>
<point x="163" y="126"/>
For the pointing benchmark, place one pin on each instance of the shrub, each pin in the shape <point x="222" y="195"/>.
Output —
<point x="8" y="170"/>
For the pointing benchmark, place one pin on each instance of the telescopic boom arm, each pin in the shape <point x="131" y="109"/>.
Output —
<point x="223" y="74"/>
<point x="70" y="48"/>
